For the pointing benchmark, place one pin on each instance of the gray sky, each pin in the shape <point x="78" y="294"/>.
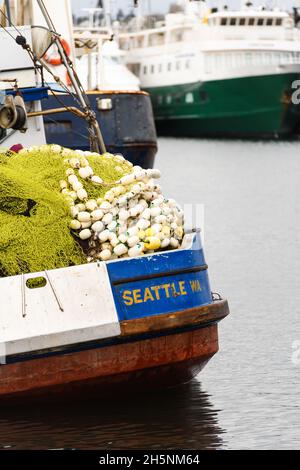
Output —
<point x="163" y="5"/>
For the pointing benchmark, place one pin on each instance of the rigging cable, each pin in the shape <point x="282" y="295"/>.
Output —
<point x="32" y="56"/>
<point x="57" y="79"/>
<point x="94" y="131"/>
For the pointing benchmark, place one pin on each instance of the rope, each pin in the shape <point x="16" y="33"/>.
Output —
<point x="96" y="137"/>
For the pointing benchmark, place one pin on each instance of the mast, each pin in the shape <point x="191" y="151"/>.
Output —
<point x="8" y="12"/>
<point x="96" y="135"/>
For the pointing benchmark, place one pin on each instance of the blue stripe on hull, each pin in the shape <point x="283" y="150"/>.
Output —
<point x="161" y="283"/>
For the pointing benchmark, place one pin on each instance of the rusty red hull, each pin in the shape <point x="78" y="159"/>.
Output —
<point x="159" y="361"/>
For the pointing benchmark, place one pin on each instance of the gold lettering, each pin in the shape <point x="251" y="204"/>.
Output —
<point x="137" y="296"/>
<point x="166" y="287"/>
<point x="174" y="291"/>
<point x="148" y="295"/>
<point x="195" y="286"/>
<point x="156" y="290"/>
<point x="127" y="298"/>
<point x="182" y="288"/>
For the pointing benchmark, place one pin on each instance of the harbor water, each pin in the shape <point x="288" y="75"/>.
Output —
<point x="248" y="395"/>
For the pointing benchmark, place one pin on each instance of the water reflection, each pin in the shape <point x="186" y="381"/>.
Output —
<point x="182" y="418"/>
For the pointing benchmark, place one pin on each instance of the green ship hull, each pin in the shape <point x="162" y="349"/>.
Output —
<point x="254" y="107"/>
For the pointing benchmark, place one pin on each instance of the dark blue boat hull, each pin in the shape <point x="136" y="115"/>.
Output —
<point x="128" y="127"/>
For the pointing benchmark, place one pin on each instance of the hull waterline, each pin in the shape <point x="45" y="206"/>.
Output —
<point x="136" y="361"/>
<point x="248" y="107"/>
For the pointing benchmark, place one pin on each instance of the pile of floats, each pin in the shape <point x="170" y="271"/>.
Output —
<point x="131" y="219"/>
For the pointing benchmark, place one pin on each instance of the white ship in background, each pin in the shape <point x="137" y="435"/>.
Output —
<point x="226" y="73"/>
<point x="100" y="62"/>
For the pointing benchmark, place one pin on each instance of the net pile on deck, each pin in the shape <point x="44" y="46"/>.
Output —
<point x="60" y="207"/>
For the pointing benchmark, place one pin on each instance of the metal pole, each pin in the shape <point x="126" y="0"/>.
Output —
<point x="46" y="112"/>
<point x="70" y="70"/>
<point x="8" y="12"/>
<point x="90" y="115"/>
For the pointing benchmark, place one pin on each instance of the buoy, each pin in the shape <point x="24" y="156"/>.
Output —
<point x="82" y="194"/>
<point x="104" y="236"/>
<point x="86" y="224"/>
<point x="107" y="218"/>
<point x="165" y="243"/>
<point x="85" y="234"/>
<point x="98" y="227"/>
<point x="105" y="255"/>
<point x="53" y="57"/>
<point x="152" y="243"/>
<point x="174" y="243"/>
<point x="75" y="224"/>
<point x="136" y="250"/>
<point x="97" y="215"/>
<point x="84" y="217"/>
<point x="133" y="240"/>
<point x="91" y="205"/>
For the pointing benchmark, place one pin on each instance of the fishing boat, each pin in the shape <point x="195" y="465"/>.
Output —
<point x="219" y="73"/>
<point x="110" y="87"/>
<point x="148" y="322"/>
<point x="139" y="322"/>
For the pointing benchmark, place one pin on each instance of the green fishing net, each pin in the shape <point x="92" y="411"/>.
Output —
<point x="35" y="215"/>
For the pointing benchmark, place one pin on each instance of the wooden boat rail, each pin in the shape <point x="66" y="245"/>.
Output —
<point x="194" y="317"/>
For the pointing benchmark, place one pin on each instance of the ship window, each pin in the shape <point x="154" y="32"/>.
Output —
<point x="223" y="21"/>
<point x="260" y="22"/>
<point x="242" y="21"/>
<point x="232" y="21"/>
<point x="248" y="58"/>
<point x="178" y="65"/>
<point x="169" y="66"/>
<point x="203" y="96"/>
<point x="189" y="98"/>
<point x="188" y="64"/>
<point x="160" y="68"/>
<point x="268" y="58"/>
<point x="269" y="22"/>
<point x="160" y="99"/>
<point x="208" y="63"/>
<point x="238" y="60"/>
<point x="251" y="21"/>
<point x="145" y="69"/>
<point x="278" y="22"/>
<point x="152" y="69"/>
<point x="169" y="99"/>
